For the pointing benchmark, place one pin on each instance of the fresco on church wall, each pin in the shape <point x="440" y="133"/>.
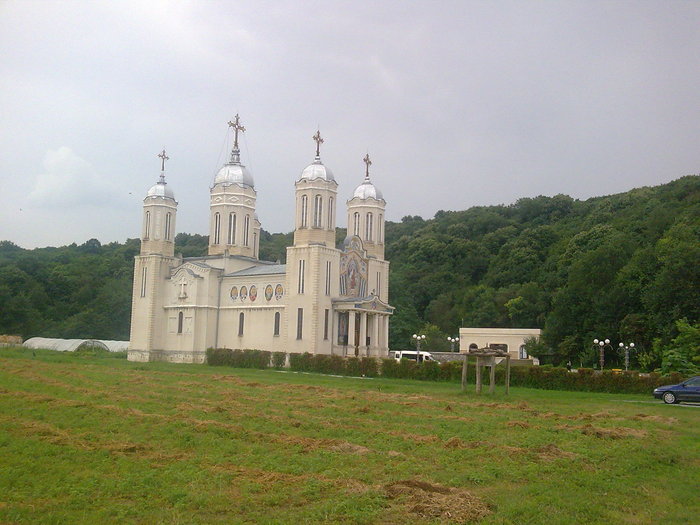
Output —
<point x="243" y="293"/>
<point x="234" y="293"/>
<point x="268" y="292"/>
<point x="279" y="292"/>
<point x="353" y="275"/>
<point x="253" y="293"/>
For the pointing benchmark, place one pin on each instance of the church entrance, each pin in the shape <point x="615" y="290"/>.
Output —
<point x="356" y="343"/>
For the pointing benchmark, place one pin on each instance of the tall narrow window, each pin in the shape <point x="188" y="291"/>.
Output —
<point x="318" y="211"/>
<point x="277" y="324"/>
<point x="167" y="226"/>
<point x="144" y="275"/>
<point x="369" y="227"/>
<point x="304" y="210"/>
<point x="330" y="213"/>
<point x="180" y="320"/>
<point x="356" y="224"/>
<point x="302" y="267"/>
<point x="380" y="229"/>
<point x="217" y="227"/>
<point x="255" y="245"/>
<point x="328" y="277"/>
<point x="300" y="322"/>
<point x="325" y="323"/>
<point x="147" y="228"/>
<point x="241" y="319"/>
<point x="231" y="228"/>
<point x="379" y="284"/>
<point x="246" y="230"/>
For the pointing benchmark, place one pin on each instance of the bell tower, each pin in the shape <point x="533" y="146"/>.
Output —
<point x="366" y="212"/>
<point x="159" y="211"/>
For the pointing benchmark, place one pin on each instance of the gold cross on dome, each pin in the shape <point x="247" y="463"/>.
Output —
<point x="236" y="125"/>
<point x="319" y="141"/>
<point x="163" y="158"/>
<point x="368" y="163"/>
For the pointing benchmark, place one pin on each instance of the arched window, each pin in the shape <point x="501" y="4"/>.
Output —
<point x="241" y="319"/>
<point x="167" y="226"/>
<point x="369" y="227"/>
<point x="380" y="232"/>
<point x="304" y="209"/>
<point x="217" y="227"/>
<point x="318" y="211"/>
<point x="277" y="324"/>
<point x="147" y="227"/>
<point x="246" y="229"/>
<point x="356" y="224"/>
<point x="330" y="213"/>
<point x="180" y="319"/>
<point x="232" y="228"/>
<point x="144" y="275"/>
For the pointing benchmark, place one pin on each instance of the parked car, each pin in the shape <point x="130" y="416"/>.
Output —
<point x="688" y="390"/>
<point x="411" y="354"/>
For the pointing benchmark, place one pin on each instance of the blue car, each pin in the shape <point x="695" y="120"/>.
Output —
<point x="688" y="390"/>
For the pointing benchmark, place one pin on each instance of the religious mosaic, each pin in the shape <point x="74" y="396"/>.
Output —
<point x="234" y="293"/>
<point x="353" y="270"/>
<point x="279" y="292"/>
<point x="253" y="293"/>
<point x="268" y="292"/>
<point x="244" y="293"/>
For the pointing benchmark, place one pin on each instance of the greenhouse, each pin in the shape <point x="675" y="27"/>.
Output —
<point x="71" y="345"/>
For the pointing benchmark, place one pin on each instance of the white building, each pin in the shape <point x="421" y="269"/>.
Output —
<point x="324" y="300"/>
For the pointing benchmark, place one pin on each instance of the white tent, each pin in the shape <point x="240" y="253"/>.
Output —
<point x="71" y="345"/>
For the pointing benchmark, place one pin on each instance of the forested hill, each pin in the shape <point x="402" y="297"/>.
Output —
<point x="621" y="266"/>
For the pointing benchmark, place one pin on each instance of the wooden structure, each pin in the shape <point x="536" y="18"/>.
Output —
<point x="486" y="357"/>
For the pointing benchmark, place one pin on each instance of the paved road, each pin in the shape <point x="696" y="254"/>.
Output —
<point x="659" y="402"/>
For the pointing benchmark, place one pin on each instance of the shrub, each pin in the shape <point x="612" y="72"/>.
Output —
<point x="279" y="359"/>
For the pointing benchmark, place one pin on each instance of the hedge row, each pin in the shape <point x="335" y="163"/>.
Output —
<point x="544" y="377"/>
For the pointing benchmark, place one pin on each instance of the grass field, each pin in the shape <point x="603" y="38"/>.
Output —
<point x="102" y="440"/>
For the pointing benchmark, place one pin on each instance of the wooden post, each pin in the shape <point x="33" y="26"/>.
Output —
<point x="507" y="374"/>
<point x="492" y="376"/>
<point x="478" y="374"/>
<point x="465" y="366"/>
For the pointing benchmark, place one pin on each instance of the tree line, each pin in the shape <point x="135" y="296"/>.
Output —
<point x="623" y="267"/>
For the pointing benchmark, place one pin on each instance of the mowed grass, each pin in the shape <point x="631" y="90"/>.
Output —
<point x="102" y="440"/>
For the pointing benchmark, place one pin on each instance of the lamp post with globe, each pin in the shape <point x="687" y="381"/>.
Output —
<point x="418" y="338"/>
<point x="627" y="349"/>
<point x="452" y="341"/>
<point x="602" y="344"/>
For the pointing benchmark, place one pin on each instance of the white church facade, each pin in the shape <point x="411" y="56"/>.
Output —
<point x="324" y="300"/>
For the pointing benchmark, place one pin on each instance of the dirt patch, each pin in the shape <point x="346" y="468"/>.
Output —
<point x="349" y="448"/>
<point x="656" y="419"/>
<point x="518" y="424"/>
<point x="434" y="501"/>
<point x="605" y="433"/>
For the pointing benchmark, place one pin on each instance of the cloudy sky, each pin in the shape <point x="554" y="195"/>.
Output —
<point x="458" y="103"/>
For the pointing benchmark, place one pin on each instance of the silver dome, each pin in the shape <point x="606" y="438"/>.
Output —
<point x="367" y="190"/>
<point x="234" y="173"/>
<point x="160" y="189"/>
<point x="317" y="170"/>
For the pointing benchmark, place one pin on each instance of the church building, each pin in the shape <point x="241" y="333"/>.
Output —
<point x="324" y="300"/>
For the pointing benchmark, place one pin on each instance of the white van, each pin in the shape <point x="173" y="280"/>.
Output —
<point x="411" y="354"/>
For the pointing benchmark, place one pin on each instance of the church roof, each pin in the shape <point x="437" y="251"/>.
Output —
<point x="233" y="172"/>
<point x="271" y="269"/>
<point x="367" y="190"/>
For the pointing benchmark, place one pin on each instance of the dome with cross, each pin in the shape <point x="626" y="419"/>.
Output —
<point x="367" y="190"/>
<point x="160" y="188"/>
<point x="233" y="172"/>
<point x="317" y="170"/>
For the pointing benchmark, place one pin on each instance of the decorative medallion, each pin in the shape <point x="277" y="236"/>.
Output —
<point x="268" y="292"/>
<point x="279" y="292"/>
<point x="234" y="293"/>
<point x="253" y="294"/>
<point x="244" y="293"/>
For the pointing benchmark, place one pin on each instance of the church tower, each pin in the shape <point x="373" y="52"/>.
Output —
<point x="366" y="215"/>
<point x="313" y="260"/>
<point x="316" y="195"/>
<point x="152" y="267"/>
<point x="234" y="227"/>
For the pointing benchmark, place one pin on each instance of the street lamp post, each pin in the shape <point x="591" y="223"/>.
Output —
<point x="627" y="349"/>
<point x="602" y="344"/>
<point x="452" y="341"/>
<point x="418" y="339"/>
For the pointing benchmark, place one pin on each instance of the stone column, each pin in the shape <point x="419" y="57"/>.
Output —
<point x="351" y="333"/>
<point x="363" y="333"/>
<point x="375" y="333"/>
<point x="386" y="332"/>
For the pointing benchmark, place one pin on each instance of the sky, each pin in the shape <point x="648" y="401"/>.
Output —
<point x="459" y="104"/>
